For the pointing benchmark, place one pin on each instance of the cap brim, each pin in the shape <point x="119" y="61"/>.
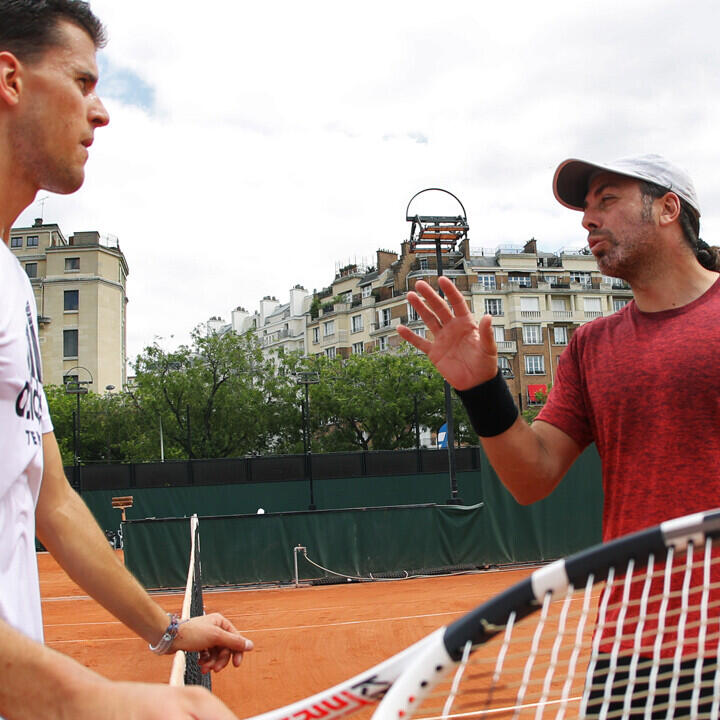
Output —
<point x="572" y="180"/>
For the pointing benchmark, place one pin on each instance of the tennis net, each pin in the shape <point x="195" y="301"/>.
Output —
<point x="186" y="668"/>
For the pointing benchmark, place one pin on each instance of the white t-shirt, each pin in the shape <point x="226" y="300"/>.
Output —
<point x="24" y="417"/>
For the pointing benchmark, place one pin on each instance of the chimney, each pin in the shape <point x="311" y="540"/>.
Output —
<point x="385" y="259"/>
<point x="531" y="247"/>
<point x="38" y="222"/>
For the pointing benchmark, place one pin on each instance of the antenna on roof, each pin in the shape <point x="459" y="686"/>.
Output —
<point x="41" y="202"/>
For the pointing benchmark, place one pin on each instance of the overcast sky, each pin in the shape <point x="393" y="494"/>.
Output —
<point x="257" y="145"/>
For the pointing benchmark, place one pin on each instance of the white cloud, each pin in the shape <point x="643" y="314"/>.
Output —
<point x="284" y="137"/>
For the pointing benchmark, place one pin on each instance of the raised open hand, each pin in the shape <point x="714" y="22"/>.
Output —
<point x="463" y="351"/>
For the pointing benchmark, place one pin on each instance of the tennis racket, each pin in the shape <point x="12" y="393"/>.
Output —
<point x="628" y="629"/>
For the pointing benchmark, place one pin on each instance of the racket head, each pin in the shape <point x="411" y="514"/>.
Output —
<point x="616" y="629"/>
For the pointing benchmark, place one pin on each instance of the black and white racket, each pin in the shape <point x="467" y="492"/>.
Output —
<point x="628" y="629"/>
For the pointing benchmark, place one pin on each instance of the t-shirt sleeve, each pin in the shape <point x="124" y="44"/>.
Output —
<point x="566" y="406"/>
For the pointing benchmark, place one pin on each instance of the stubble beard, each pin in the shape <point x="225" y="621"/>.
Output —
<point x="41" y="165"/>
<point x="627" y="257"/>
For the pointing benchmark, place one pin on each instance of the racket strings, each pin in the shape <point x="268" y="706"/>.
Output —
<point x="643" y="643"/>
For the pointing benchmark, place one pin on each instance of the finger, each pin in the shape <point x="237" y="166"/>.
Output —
<point x="425" y="313"/>
<point x="454" y="297"/>
<point x="486" y="335"/>
<point x="228" y="635"/>
<point x="434" y="301"/>
<point x="419" y="342"/>
<point x="215" y="659"/>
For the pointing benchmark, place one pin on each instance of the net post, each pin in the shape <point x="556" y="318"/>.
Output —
<point x="297" y="549"/>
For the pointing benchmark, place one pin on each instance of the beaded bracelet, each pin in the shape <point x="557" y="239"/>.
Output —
<point x="164" y="643"/>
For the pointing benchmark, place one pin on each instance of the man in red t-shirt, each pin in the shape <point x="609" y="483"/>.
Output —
<point x="640" y="383"/>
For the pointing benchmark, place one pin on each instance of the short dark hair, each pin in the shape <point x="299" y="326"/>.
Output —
<point x="30" y="27"/>
<point x="707" y="256"/>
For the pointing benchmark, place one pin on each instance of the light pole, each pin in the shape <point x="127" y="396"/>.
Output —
<point x="75" y="386"/>
<point x="307" y="378"/>
<point x="441" y="233"/>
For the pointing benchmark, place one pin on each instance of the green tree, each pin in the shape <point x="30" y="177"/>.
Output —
<point x="214" y="396"/>
<point x="368" y="401"/>
<point x="111" y="427"/>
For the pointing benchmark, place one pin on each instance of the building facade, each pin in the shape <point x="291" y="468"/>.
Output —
<point x="536" y="301"/>
<point x="80" y="289"/>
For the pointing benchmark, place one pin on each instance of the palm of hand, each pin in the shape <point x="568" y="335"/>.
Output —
<point x="464" y="352"/>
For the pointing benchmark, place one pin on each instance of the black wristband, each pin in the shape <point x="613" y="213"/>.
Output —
<point x="490" y="406"/>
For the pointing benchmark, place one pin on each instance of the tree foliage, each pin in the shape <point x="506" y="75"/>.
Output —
<point x="219" y="397"/>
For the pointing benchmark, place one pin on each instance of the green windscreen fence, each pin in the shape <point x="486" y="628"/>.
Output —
<point x="581" y="489"/>
<point x="363" y="525"/>
<point x="355" y="541"/>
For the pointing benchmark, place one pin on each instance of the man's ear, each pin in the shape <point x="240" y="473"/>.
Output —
<point x="669" y="208"/>
<point x="10" y="78"/>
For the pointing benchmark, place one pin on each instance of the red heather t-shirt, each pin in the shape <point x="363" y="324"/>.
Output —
<point x="645" y="387"/>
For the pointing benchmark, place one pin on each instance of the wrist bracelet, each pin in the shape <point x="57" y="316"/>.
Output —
<point x="164" y="643"/>
<point x="490" y="406"/>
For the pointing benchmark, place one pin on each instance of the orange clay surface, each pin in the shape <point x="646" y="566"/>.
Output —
<point x="306" y="638"/>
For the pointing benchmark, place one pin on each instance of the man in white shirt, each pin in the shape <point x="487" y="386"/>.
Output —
<point x="49" y="112"/>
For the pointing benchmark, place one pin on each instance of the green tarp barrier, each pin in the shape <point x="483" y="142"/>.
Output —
<point x="363" y="541"/>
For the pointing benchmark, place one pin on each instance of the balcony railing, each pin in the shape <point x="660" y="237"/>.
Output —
<point x="507" y="346"/>
<point x="562" y="314"/>
<point x="593" y="313"/>
<point x="529" y="314"/>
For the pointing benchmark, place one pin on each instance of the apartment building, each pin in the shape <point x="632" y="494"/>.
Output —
<point x="281" y="326"/>
<point x="536" y="300"/>
<point x="80" y="289"/>
<point x="277" y="326"/>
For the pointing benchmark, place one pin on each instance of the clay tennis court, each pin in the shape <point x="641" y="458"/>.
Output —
<point x="306" y="638"/>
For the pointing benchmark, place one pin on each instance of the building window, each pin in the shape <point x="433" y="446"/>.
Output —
<point x="31" y="270"/>
<point x="530" y="307"/>
<point x="534" y="365"/>
<point x="592" y="307"/>
<point x="581" y="277"/>
<point x="532" y="335"/>
<point x="383" y="318"/>
<point x="357" y="348"/>
<point x="328" y="328"/>
<point x="520" y="280"/>
<point x="15" y="242"/>
<point x="316" y="334"/>
<point x="71" y="301"/>
<point x="366" y="291"/>
<point x="330" y="352"/>
<point x="382" y="343"/>
<point x="560" y="336"/>
<point x="32" y="240"/>
<point x="70" y="343"/>
<point x="499" y="333"/>
<point x="558" y="305"/>
<point x="493" y="306"/>
<point x="423" y="263"/>
<point x="420" y="332"/>
<point x="504" y="365"/>
<point x="487" y="282"/>
<point x="412" y="313"/>
<point x="348" y="297"/>
<point x="357" y="323"/>
<point x="72" y="264"/>
<point x="619" y="303"/>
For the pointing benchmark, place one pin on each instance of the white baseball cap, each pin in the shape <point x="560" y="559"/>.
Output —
<point x="572" y="178"/>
